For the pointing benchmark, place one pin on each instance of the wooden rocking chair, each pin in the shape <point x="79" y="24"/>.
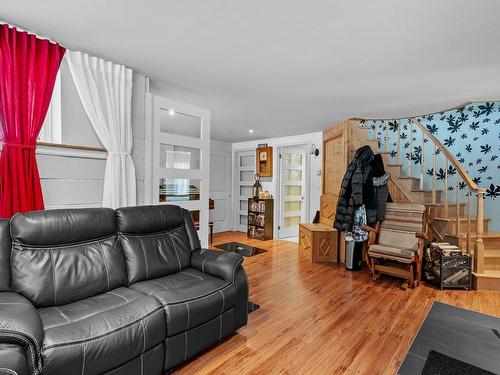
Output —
<point x="395" y="245"/>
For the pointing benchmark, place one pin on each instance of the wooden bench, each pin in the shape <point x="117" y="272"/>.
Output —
<point x="318" y="242"/>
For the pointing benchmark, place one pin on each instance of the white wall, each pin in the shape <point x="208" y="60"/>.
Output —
<point x="76" y="128"/>
<point x="271" y="184"/>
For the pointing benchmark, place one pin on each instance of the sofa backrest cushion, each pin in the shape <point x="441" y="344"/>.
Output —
<point x="5" y="245"/>
<point x="62" y="256"/>
<point x="156" y="240"/>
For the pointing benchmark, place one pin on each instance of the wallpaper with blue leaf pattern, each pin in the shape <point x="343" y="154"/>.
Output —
<point x="471" y="133"/>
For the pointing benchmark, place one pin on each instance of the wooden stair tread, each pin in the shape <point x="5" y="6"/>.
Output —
<point x="425" y="191"/>
<point x="394" y="165"/>
<point x="488" y="273"/>
<point x="409" y="178"/>
<point x="442" y="204"/>
<point x="462" y="218"/>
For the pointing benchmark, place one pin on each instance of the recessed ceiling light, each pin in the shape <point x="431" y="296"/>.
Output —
<point x="171" y="112"/>
<point x="250" y="130"/>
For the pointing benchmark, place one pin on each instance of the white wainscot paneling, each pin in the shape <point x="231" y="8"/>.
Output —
<point x="71" y="192"/>
<point x="87" y="169"/>
<point x="71" y="182"/>
<point x="50" y="166"/>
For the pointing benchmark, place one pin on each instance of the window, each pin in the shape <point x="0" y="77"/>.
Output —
<point x="51" y="131"/>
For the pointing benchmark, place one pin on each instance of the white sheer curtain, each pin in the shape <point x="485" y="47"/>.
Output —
<point x="105" y="89"/>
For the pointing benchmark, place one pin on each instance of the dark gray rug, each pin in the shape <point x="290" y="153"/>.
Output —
<point x="460" y="334"/>
<point x="440" y="364"/>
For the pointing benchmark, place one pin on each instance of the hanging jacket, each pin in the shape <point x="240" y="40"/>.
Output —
<point x="380" y="180"/>
<point x="356" y="189"/>
<point x="382" y="194"/>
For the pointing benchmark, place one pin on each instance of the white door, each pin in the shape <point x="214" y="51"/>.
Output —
<point x="220" y="189"/>
<point x="293" y="192"/>
<point x="244" y="180"/>
<point x="178" y="158"/>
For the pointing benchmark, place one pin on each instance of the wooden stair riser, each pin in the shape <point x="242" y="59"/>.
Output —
<point x="424" y="197"/>
<point x="491" y="262"/>
<point x="481" y="282"/>
<point x="409" y="184"/>
<point x="393" y="170"/>
<point x="450" y="225"/>
<point x="490" y="243"/>
<point x="439" y="210"/>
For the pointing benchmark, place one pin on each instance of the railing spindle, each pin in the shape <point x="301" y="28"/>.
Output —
<point x="411" y="150"/>
<point x="376" y="132"/>
<point x="398" y="152"/>
<point x="469" y="237"/>
<point x="422" y="160"/>
<point x="479" y="245"/>
<point x="434" y="175"/>
<point x="446" y="189"/>
<point x="387" y="136"/>
<point x="458" y="209"/>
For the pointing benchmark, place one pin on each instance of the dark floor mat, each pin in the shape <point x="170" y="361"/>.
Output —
<point x="240" y="248"/>
<point x="252" y="307"/>
<point x="440" y="364"/>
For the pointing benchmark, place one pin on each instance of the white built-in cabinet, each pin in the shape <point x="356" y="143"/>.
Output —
<point x="177" y="157"/>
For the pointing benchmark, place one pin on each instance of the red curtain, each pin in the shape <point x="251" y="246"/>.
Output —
<point x="28" y="69"/>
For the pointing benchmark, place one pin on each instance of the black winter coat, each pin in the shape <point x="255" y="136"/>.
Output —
<point x="356" y="189"/>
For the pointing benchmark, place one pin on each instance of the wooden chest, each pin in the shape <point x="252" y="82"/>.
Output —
<point x="318" y="242"/>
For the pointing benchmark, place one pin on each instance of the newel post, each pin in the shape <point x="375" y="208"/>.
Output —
<point x="479" y="244"/>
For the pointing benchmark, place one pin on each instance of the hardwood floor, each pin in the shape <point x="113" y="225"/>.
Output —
<point x="322" y="319"/>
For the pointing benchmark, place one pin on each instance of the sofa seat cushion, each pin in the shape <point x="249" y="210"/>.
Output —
<point x="391" y="251"/>
<point x="190" y="297"/>
<point x="99" y="333"/>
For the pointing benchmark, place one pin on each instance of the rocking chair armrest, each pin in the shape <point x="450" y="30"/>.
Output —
<point x="421" y="235"/>
<point x="367" y="228"/>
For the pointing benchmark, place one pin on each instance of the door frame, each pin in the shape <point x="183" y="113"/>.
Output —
<point x="235" y="217"/>
<point x="227" y="224"/>
<point x="277" y="188"/>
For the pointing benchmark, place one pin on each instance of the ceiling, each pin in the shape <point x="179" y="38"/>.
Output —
<point x="286" y="67"/>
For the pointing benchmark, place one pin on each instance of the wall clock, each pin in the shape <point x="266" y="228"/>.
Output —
<point x="264" y="156"/>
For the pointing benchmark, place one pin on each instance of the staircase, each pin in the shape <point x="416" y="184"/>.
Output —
<point x="457" y="212"/>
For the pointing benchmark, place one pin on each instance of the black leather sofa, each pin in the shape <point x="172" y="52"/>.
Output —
<point x="97" y="291"/>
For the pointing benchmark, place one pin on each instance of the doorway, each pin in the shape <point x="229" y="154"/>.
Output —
<point x="177" y="158"/>
<point x="244" y="180"/>
<point x="293" y="182"/>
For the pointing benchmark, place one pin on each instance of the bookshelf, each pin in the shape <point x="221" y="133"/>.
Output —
<point x="260" y="218"/>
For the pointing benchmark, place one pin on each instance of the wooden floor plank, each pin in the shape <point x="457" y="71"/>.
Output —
<point x="323" y="319"/>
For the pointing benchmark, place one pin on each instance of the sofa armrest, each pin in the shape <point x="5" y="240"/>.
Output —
<point x="217" y="263"/>
<point x="13" y="360"/>
<point x="20" y="324"/>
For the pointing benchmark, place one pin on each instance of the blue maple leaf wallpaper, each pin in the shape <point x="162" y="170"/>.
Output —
<point x="471" y="133"/>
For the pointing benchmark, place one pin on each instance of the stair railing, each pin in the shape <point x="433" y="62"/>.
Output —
<point x="416" y="152"/>
<point x="472" y="189"/>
